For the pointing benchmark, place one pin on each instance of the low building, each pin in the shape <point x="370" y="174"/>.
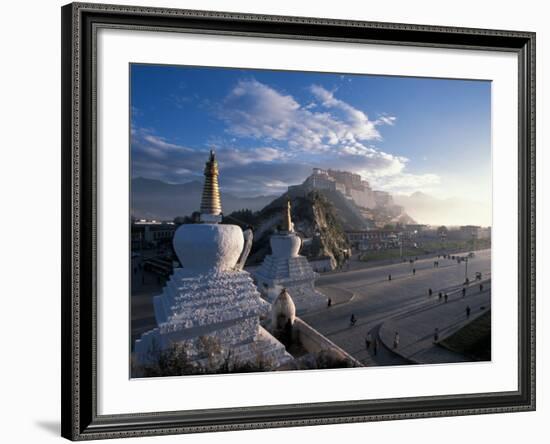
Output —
<point x="363" y="240"/>
<point x="150" y="234"/>
<point x="469" y="232"/>
<point x="484" y="233"/>
<point x="418" y="228"/>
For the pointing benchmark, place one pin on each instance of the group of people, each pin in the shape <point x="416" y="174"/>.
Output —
<point x="445" y="296"/>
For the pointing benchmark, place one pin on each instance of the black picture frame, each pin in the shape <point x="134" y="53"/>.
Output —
<point x="79" y="169"/>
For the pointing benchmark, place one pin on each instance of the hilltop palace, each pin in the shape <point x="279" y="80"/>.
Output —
<point x="350" y="185"/>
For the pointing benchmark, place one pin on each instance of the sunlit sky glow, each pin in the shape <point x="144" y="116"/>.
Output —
<point x="270" y="128"/>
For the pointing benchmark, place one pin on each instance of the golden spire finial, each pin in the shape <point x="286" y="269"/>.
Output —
<point x="211" y="207"/>
<point x="287" y="220"/>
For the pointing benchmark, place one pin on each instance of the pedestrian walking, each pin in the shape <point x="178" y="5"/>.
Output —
<point x="440" y="296"/>
<point x="396" y="340"/>
<point x="463" y="291"/>
<point x="368" y="340"/>
<point x="480" y="288"/>
<point x="446" y="297"/>
<point x="389" y="277"/>
<point x="436" y="335"/>
<point x="414" y="271"/>
<point x="352" y="320"/>
<point x="430" y="292"/>
<point x="468" y="311"/>
<point x="329" y="303"/>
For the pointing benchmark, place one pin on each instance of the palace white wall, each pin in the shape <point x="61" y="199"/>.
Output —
<point x="30" y="219"/>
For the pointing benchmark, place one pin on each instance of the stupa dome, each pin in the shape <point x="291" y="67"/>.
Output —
<point x="204" y="247"/>
<point x="285" y="245"/>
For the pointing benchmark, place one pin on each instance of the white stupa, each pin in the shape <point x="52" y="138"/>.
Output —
<point x="285" y="268"/>
<point x="211" y="295"/>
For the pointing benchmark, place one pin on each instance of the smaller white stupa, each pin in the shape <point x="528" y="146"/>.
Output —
<point x="211" y="296"/>
<point x="283" y="311"/>
<point x="285" y="268"/>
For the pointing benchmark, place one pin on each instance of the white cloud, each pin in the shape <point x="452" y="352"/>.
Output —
<point x="327" y="130"/>
<point x="239" y="156"/>
<point x="247" y="171"/>
<point x="358" y="126"/>
<point x="385" y="120"/>
<point x="255" y="110"/>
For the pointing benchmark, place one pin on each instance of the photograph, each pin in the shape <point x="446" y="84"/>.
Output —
<point x="294" y="220"/>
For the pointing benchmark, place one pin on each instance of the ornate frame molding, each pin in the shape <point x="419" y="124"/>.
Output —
<point x="80" y="22"/>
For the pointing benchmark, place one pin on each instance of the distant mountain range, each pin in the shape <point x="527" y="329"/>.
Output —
<point x="155" y="199"/>
<point x="452" y="211"/>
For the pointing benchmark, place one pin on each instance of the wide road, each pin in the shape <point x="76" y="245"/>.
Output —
<point x="377" y="299"/>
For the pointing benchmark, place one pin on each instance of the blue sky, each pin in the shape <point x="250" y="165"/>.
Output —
<point x="269" y="128"/>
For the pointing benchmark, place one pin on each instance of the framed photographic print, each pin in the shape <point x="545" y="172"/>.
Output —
<point x="278" y="221"/>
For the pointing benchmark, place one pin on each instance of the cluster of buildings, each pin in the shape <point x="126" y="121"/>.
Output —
<point x="413" y="234"/>
<point x="212" y="296"/>
<point x="363" y="240"/>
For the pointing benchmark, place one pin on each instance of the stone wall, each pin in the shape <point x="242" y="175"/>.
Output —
<point x="314" y="342"/>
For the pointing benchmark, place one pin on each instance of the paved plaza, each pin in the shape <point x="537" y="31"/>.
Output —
<point x="382" y="307"/>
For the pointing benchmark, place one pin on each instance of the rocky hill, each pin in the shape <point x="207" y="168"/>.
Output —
<point x="347" y="213"/>
<point x="315" y="218"/>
